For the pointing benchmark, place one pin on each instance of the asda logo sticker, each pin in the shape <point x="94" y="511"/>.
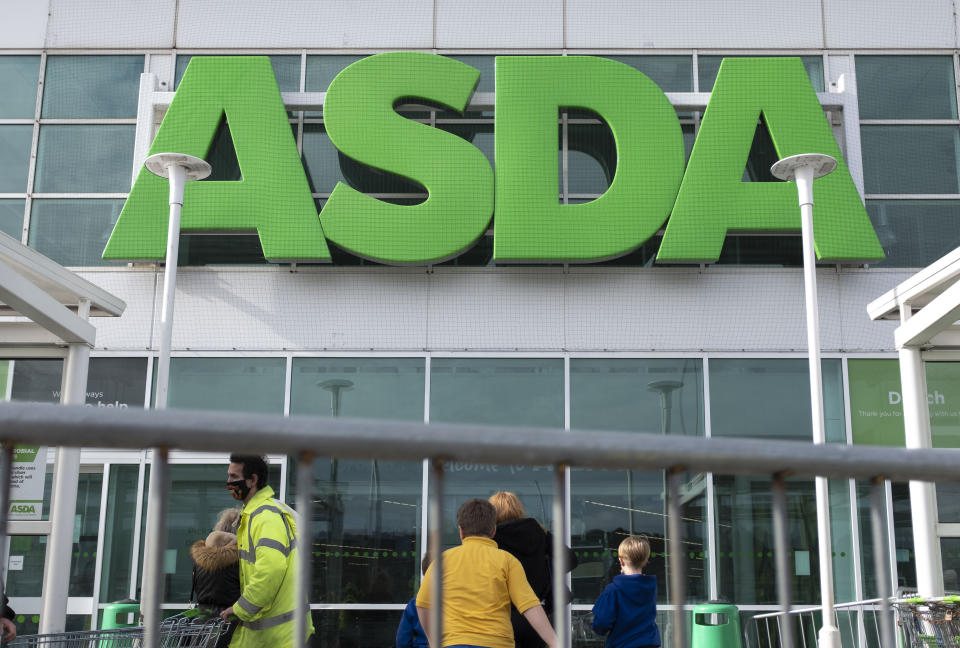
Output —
<point x="699" y="204"/>
<point x="23" y="509"/>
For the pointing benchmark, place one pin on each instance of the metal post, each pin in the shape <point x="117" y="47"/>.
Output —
<point x="561" y="621"/>
<point x="435" y="504"/>
<point x="304" y="547"/>
<point x="923" y="495"/>
<point x="155" y="545"/>
<point x="677" y="560"/>
<point x="880" y="550"/>
<point x="803" y="169"/>
<point x="782" y="542"/>
<point x="73" y="391"/>
<point x="179" y="169"/>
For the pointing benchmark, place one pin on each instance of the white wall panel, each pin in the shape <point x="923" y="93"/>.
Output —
<point x="132" y="330"/>
<point x="365" y="24"/>
<point x="508" y="309"/>
<point x="24" y="23"/>
<point x="879" y="24"/>
<point x="858" y="289"/>
<point x="694" y="23"/>
<point x="136" y="24"/>
<point x="500" y="23"/>
<point x="276" y="309"/>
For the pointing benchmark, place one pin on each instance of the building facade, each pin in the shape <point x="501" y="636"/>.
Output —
<point x="702" y="349"/>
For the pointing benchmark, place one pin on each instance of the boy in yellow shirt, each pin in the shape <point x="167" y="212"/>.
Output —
<point x="479" y="583"/>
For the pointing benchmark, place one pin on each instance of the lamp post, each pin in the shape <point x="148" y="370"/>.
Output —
<point x="803" y="169"/>
<point x="178" y="168"/>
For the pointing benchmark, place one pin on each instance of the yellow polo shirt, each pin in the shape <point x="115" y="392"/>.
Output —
<point x="479" y="582"/>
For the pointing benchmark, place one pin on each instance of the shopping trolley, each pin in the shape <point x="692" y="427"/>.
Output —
<point x="183" y="630"/>
<point x="929" y="623"/>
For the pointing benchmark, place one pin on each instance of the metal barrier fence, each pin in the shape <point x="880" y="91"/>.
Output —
<point x="860" y="621"/>
<point x="306" y="438"/>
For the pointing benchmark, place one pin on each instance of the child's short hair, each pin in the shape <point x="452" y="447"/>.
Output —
<point x="634" y="550"/>
<point x="477" y="517"/>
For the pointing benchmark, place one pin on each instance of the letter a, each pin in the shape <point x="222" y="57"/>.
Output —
<point x="713" y="200"/>
<point x="273" y="198"/>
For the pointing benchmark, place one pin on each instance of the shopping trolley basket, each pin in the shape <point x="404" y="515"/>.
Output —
<point x="933" y="623"/>
<point x="179" y="631"/>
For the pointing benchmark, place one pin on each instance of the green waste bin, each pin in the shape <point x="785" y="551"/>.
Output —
<point x="716" y="625"/>
<point x="113" y="611"/>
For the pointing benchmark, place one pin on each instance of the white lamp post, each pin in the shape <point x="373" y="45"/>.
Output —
<point x="802" y="169"/>
<point x="178" y="168"/>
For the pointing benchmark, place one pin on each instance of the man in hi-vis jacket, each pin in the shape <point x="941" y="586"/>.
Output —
<point x="266" y="540"/>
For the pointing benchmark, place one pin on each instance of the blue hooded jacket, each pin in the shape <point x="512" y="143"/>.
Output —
<point x="410" y="633"/>
<point x="627" y="610"/>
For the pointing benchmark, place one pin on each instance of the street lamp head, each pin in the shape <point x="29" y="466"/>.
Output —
<point x="786" y="169"/>
<point x="160" y="163"/>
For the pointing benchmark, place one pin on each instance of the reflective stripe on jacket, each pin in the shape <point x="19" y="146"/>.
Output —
<point x="267" y="543"/>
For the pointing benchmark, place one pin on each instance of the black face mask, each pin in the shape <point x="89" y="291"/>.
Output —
<point x="241" y="486"/>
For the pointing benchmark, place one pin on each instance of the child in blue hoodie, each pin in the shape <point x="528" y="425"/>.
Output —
<point x="410" y="633"/>
<point x="627" y="608"/>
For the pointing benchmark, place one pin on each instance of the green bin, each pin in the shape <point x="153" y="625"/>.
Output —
<point x="113" y="611"/>
<point x="716" y="625"/>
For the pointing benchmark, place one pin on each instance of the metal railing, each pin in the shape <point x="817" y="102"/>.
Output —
<point x="306" y="438"/>
<point x="860" y="621"/>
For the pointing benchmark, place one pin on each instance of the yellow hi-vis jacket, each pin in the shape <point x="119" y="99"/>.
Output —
<point x="266" y="539"/>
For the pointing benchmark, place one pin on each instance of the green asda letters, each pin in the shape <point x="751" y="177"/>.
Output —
<point x="648" y="188"/>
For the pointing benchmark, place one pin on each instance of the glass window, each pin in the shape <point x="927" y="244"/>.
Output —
<point x="912" y="232"/>
<point x="232" y="384"/>
<point x="111" y="382"/>
<point x="356" y="628"/>
<point x="480" y="135"/>
<point x="926" y="159"/>
<point x="768" y="398"/>
<point x="485" y="64"/>
<point x="15" y="142"/>
<point x="380" y="388"/>
<point x="27" y="582"/>
<point x="710" y="65"/>
<point x="321" y="160"/>
<point x="366" y="516"/>
<point x="671" y="73"/>
<point x="286" y="68"/>
<point x="322" y="69"/>
<point x="648" y="395"/>
<point x="745" y="543"/>
<point x="19" y="76"/>
<point x="950" y="553"/>
<point x="906" y="87"/>
<point x="11" y="217"/>
<point x="84" y="159"/>
<point x="508" y="391"/>
<point x="73" y="232"/>
<point x="119" y="532"/>
<point x="591" y="158"/>
<point x="100" y="87"/>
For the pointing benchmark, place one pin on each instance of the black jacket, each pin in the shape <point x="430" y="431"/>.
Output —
<point x="216" y="574"/>
<point x="533" y="547"/>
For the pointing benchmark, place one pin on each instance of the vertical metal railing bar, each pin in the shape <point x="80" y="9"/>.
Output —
<point x="677" y="562"/>
<point x="766" y="625"/>
<point x="304" y="541"/>
<point x="756" y="627"/>
<point x="435" y="504"/>
<point x="6" y="471"/>
<point x="849" y="616"/>
<point x="876" y="627"/>
<point x="561" y="622"/>
<point x="155" y="544"/>
<point x="781" y="556"/>
<point x="803" y="634"/>
<point x="780" y="624"/>
<point x="880" y="552"/>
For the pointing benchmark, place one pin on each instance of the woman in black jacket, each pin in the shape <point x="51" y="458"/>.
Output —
<point x="532" y="545"/>
<point x="216" y="569"/>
